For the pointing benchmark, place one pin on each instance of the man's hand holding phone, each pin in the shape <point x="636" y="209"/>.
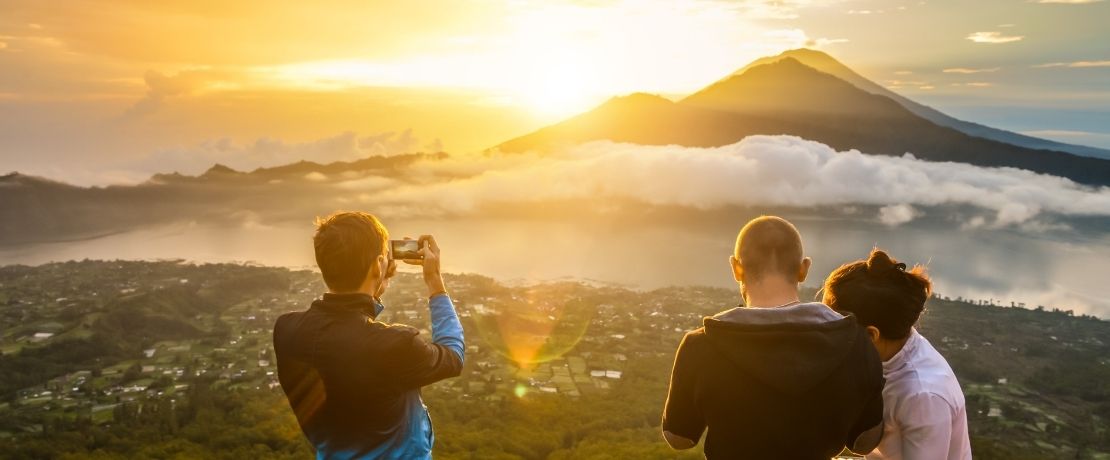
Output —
<point x="425" y="252"/>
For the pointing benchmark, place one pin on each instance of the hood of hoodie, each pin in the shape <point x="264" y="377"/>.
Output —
<point x="794" y="348"/>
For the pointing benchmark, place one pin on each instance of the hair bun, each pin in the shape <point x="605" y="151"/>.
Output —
<point x="880" y="262"/>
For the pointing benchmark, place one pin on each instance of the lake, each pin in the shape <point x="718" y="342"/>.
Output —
<point x="1002" y="266"/>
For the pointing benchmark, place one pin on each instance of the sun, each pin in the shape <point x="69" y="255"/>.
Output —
<point x="552" y="77"/>
<point x="557" y="94"/>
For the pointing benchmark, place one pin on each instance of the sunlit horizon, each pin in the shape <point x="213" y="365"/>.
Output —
<point x="119" y="92"/>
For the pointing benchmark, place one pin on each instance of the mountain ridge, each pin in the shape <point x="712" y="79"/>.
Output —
<point x="826" y="63"/>
<point x="821" y="92"/>
<point x="789" y="97"/>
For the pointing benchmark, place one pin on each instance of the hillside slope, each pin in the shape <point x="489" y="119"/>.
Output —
<point x="825" y="63"/>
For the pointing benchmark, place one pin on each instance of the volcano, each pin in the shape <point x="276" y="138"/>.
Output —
<point x="785" y="95"/>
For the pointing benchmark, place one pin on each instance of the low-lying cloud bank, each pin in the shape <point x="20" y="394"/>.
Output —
<point x="759" y="170"/>
<point x="269" y="152"/>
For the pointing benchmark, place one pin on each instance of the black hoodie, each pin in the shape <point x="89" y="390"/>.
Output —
<point x="794" y="382"/>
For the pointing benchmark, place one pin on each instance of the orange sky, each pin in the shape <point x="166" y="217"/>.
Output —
<point x="107" y="91"/>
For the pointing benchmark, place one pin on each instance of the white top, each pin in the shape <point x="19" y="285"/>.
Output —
<point x="923" y="406"/>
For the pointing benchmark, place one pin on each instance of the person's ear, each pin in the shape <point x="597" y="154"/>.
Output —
<point x="803" y="270"/>
<point x="376" y="268"/>
<point x="737" y="269"/>
<point x="873" y="334"/>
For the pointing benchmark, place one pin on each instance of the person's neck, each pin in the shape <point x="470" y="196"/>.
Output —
<point x="349" y="292"/>
<point x="365" y="289"/>
<point x="890" y="348"/>
<point x="770" y="294"/>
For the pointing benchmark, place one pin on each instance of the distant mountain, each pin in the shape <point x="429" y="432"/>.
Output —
<point x="296" y="171"/>
<point x="34" y="209"/>
<point x="825" y="63"/>
<point x="788" y="97"/>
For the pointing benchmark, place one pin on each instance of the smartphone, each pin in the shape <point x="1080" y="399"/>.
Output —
<point x="405" y="250"/>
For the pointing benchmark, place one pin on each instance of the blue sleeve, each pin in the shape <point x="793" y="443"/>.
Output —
<point x="446" y="328"/>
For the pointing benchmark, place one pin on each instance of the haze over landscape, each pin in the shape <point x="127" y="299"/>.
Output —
<point x="779" y="136"/>
<point x="585" y="151"/>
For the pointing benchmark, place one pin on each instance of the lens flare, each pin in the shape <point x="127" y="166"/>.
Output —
<point x="534" y="331"/>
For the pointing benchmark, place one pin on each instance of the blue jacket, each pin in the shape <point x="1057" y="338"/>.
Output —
<point x="354" y="383"/>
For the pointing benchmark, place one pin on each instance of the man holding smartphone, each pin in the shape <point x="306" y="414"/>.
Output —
<point x="352" y="381"/>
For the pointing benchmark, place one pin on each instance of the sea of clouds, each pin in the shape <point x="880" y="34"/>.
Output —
<point x="759" y="170"/>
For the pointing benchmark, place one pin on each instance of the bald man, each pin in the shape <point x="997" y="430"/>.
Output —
<point x="774" y="377"/>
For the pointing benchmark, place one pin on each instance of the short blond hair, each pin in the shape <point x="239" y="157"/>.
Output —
<point x="769" y="245"/>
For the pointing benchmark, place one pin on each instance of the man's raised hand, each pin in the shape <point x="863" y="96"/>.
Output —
<point x="431" y="265"/>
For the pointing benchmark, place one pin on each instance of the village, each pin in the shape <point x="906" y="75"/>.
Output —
<point x="243" y="358"/>
<point x="101" y="340"/>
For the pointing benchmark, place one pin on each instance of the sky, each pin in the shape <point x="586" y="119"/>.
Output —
<point x="114" y="90"/>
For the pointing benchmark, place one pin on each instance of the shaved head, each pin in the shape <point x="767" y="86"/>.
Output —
<point x="769" y="246"/>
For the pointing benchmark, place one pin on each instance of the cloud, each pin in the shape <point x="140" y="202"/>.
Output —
<point x="316" y="176"/>
<point x="1075" y="64"/>
<point x="161" y="86"/>
<point x="899" y="84"/>
<point x="267" y="152"/>
<point x="1058" y="132"/>
<point x="393" y="143"/>
<point x="759" y="170"/>
<point x="965" y="70"/>
<point x="897" y="214"/>
<point x="768" y="9"/>
<point x="1068" y="2"/>
<point x="822" y="42"/>
<point x="1096" y="139"/>
<point x="798" y="38"/>
<point x="993" y="37"/>
<point x="975" y="84"/>
<point x="21" y="43"/>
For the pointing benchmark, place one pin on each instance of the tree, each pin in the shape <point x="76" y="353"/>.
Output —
<point x="133" y="372"/>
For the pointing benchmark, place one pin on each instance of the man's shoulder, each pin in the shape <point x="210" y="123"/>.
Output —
<point x="350" y="334"/>
<point x="692" y="340"/>
<point x="696" y="334"/>
<point x="392" y="329"/>
<point x="285" y="334"/>
<point x="289" y="316"/>
<point x="286" y="321"/>
<point x="371" y="328"/>
<point x="390" y="336"/>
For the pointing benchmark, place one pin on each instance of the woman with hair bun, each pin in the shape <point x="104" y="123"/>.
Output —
<point x="924" y="412"/>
